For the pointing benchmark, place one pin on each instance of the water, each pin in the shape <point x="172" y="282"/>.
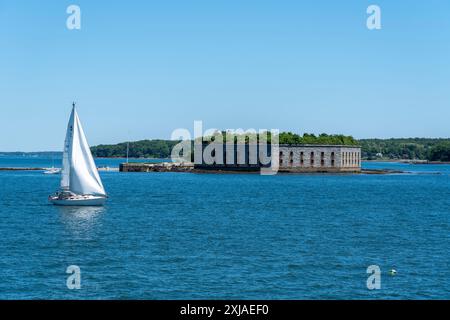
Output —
<point x="207" y="236"/>
<point x="46" y="161"/>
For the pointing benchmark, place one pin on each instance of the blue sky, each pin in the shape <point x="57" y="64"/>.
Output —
<point x="140" y="69"/>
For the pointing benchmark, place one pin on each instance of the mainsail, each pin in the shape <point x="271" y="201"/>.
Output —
<point x="79" y="173"/>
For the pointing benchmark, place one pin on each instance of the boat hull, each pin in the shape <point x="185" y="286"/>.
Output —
<point x="82" y="201"/>
<point x="52" y="172"/>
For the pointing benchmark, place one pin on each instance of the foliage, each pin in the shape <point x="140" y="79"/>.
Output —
<point x="137" y="149"/>
<point x="162" y="148"/>
<point x="412" y="148"/>
<point x="307" y="138"/>
<point x="440" y="152"/>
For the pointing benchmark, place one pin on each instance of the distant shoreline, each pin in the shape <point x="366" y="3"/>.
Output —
<point x="403" y="161"/>
<point x="407" y="161"/>
<point x="363" y="171"/>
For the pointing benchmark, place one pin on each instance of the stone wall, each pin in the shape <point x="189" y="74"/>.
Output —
<point x="320" y="158"/>
<point x="156" y="167"/>
<point x="293" y="158"/>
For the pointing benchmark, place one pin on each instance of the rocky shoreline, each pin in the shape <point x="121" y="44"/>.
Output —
<point x="189" y="167"/>
<point x="157" y="167"/>
<point x="381" y="171"/>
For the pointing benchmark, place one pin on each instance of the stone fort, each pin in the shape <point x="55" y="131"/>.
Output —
<point x="292" y="158"/>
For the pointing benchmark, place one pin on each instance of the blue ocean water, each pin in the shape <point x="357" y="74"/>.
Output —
<point x="240" y="236"/>
<point x="47" y="161"/>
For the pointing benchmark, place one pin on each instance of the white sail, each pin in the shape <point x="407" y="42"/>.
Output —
<point x="79" y="173"/>
<point x="65" y="171"/>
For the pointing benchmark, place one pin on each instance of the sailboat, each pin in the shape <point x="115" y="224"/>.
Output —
<point x="80" y="182"/>
<point x="52" y="170"/>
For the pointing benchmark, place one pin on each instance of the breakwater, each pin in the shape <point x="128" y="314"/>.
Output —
<point x="22" y="169"/>
<point x="189" y="167"/>
<point x="45" y="169"/>
<point x="156" y="167"/>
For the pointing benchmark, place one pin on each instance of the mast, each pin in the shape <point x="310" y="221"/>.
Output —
<point x="128" y="146"/>
<point x="67" y="153"/>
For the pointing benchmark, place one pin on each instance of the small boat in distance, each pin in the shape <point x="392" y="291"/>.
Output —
<point x="52" y="170"/>
<point x="80" y="182"/>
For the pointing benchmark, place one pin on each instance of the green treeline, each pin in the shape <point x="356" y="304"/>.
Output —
<point x="410" y="148"/>
<point x="323" y="138"/>
<point x="162" y="148"/>
<point x="292" y="138"/>
<point x="137" y="149"/>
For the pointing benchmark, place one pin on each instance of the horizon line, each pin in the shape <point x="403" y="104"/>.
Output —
<point x="59" y="151"/>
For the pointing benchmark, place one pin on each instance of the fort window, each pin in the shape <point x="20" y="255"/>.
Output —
<point x="301" y="158"/>
<point x="213" y="156"/>
<point x="312" y="158"/>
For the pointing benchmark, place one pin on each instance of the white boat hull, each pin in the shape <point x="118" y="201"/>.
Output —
<point x="79" y="201"/>
<point x="52" y="171"/>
